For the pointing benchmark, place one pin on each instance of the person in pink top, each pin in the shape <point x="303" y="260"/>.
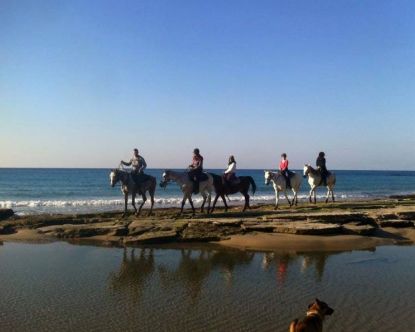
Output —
<point x="284" y="169"/>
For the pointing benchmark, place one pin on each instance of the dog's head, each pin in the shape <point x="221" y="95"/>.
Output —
<point x="321" y="307"/>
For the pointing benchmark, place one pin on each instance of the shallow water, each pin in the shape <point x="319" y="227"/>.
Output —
<point x="64" y="287"/>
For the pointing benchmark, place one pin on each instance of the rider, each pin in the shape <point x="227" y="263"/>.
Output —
<point x="196" y="169"/>
<point x="229" y="173"/>
<point x="321" y="166"/>
<point x="284" y="169"/>
<point x="138" y="166"/>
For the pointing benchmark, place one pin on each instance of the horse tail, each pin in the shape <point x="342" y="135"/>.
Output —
<point x="253" y="184"/>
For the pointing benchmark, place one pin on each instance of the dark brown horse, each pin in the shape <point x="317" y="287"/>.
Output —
<point x="242" y="186"/>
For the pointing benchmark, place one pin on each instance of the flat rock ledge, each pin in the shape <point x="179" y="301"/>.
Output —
<point x="166" y="226"/>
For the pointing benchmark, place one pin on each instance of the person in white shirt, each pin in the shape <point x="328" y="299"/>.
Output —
<point x="229" y="174"/>
<point x="138" y="165"/>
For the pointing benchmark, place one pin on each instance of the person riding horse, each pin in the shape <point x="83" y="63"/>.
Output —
<point x="196" y="169"/>
<point x="284" y="169"/>
<point x="229" y="174"/>
<point x="321" y="166"/>
<point x="138" y="164"/>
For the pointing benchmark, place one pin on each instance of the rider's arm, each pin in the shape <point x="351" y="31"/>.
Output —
<point x="231" y="168"/>
<point x="126" y="163"/>
<point x="143" y="165"/>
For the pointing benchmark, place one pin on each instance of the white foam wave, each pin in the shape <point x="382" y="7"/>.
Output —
<point x="98" y="204"/>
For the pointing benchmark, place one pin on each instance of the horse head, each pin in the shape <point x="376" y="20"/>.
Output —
<point x="114" y="177"/>
<point x="306" y="170"/>
<point x="268" y="177"/>
<point x="165" y="178"/>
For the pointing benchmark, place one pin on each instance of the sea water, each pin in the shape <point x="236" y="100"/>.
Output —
<point x="47" y="190"/>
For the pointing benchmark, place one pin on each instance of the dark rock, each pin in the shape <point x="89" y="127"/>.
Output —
<point x="267" y="228"/>
<point x="397" y="223"/>
<point x="357" y="229"/>
<point x="7" y="229"/>
<point x="6" y="213"/>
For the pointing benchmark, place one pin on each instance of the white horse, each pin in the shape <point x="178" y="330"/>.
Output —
<point x="128" y="186"/>
<point x="315" y="180"/>
<point x="186" y="185"/>
<point x="279" y="183"/>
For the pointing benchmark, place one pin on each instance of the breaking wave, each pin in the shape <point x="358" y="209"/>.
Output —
<point x="94" y="205"/>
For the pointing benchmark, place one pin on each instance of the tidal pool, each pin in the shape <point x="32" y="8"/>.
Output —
<point x="64" y="287"/>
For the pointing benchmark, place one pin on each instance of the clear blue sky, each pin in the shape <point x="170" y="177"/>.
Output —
<point x="84" y="82"/>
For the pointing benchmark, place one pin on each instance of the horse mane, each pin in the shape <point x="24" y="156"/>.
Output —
<point x="312" y="169"/>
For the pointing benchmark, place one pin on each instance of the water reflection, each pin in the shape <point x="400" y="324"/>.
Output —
<point x="134" y="272"/>
<point x="189" y="269"/>
<point x="195" y="267"/>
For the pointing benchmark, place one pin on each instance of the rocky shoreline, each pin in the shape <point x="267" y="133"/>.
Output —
<point x="388" y="221"/>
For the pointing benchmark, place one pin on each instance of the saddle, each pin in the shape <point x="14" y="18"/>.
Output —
<point x="140" y="178"/>
<point x="324" y="177"/>
<point x="290" y="174"/>
<point x="200" y="177"/>
<point x="234" y="180"/>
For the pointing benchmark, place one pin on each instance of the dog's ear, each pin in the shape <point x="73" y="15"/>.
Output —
<point x="310" y="305"/>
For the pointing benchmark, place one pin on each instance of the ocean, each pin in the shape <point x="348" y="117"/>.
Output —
<point x="53" y="190"/>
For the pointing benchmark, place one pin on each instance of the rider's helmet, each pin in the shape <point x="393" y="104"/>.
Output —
<point x="321" y="154"/>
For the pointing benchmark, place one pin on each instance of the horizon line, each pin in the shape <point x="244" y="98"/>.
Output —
<point x="181" y="168"/>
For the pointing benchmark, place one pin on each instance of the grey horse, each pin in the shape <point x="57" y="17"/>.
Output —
<point x="128" y="186"/>
<point x="314" y="180"/>
<point x="186" y="185"/>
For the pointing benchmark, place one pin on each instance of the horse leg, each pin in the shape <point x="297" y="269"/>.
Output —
<point x="246" y="206"/>
<point x="209" y="197"/>
<point x="214" y="203"/>
<point x="277" y="199"/>
<point x="310" y="195"/>
<point x="224" y="202"/>
<point x="328" y="194"/>
<point x="152" y="202"/>
<point x="183" y="202"/>
<point x="203" y="203"/>
<point x="315" y="199"/>
<point x="332" y="195"/>
<point x="133" y="202"/>
<point x="191" y="204"/>
<point x="125" y="204"/>
<point x="286" y="196"/>
<point x="143" y="195"/>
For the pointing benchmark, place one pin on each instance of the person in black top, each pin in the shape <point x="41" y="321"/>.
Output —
<point x="321" y="166"/>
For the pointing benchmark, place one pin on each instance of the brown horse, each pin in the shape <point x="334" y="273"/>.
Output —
<point x="222" y="189"/>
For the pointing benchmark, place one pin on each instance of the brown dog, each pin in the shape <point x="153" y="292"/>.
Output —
<point x="313" y="322"/>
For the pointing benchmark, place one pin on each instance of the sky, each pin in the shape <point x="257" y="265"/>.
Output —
<point x="82" y="83"/>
